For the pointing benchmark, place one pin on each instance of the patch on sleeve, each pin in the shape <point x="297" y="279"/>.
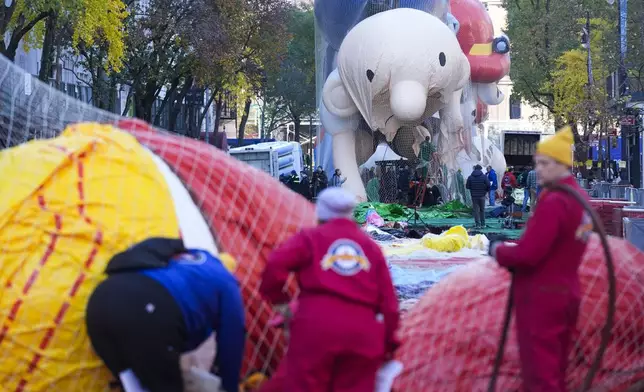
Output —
<point x="585" y="228"/>
<point x="346" y="258"/>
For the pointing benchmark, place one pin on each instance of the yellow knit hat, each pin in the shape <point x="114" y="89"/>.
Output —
<point x="558" y="146"/>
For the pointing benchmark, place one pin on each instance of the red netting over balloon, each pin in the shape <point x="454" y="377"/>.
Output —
<point x="249" y="214"/>
<point x="450" y="338"/>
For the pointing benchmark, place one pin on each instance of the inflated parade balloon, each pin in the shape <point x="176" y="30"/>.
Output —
<point x="488" y="55"/>
<point x="336" y="17"/>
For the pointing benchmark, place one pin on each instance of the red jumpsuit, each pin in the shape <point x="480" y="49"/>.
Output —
<point x="347" y="316"/>
<point x="509" y="180"/>
<point x="546" y="286"/>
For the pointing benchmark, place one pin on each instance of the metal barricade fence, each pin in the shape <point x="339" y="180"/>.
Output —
<point x="635" y="195"/>
<point x="607" y="190"/>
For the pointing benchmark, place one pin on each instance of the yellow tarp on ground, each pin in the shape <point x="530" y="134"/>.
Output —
<point x="67" y="206"/>
<point x="452" y="240"/>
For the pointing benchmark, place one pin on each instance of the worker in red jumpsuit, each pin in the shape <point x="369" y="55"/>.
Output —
<point x="508" y="181"/>
<point x="545" y="264"/>
<point x="347" y="315"/>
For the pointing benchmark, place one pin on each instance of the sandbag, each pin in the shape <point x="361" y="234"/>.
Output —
<point x="450" y="338"/>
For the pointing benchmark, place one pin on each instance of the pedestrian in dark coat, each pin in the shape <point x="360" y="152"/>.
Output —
<point x="479" y="186"/>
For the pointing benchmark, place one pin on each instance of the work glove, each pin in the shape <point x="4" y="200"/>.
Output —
<point x="495" y="241"/>
<point x="387" y="374"/>
<point x="199" y="380"/>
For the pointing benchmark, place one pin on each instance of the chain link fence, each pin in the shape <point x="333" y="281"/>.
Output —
<point x="406" y="182"/>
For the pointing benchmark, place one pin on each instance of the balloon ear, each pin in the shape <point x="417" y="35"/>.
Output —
<point x="336" y="98"/>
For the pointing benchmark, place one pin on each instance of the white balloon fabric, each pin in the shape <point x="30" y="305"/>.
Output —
<point x="396" y="68"/>
<point x="383" y="153"/>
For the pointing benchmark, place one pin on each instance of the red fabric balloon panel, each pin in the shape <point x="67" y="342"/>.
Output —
<point x="481" y="112"/>
<point x="451" y="337"/>
<point x="248" y="212"/>
<point x="476" y="28"/>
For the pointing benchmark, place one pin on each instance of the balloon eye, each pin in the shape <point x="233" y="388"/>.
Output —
<point x="501" y="45"/>
<point x="370" y="75"/>
<point x="442" y="59"/>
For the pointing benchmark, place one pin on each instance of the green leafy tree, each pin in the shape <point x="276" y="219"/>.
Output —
<point x="165" y="44"/>
<point x="35" y="23"/>
<point x="576" y="100"/>
<point x="540" y="32"/>
<point x="256" y="39"/>
<point x="635" y="53"/>
<point x="292" y="87"/>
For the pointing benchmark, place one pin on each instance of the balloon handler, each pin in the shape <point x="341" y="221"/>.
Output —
<point x="544" y="264"/>
<point x="160" y="301"/>
<point x="347" y="312"/>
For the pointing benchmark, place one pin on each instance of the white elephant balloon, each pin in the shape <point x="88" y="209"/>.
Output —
<point x="396" y="68"/>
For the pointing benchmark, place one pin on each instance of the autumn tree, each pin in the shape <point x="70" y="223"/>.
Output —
<point x="635" y="43"/>
<point x="575" y="99"/>
<point x="165" y="42"/>
<point x="256" y="40"/>
<point x="292" y="87"/>
<point x="540" y="32"/>
<point x="35" y="23"/>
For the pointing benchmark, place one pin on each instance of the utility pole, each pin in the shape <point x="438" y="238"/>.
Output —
<point x="622" y="9"/>
<point x="622" y="78"/>
<point x="262" y="133"/>
<point x="586" y="43"/>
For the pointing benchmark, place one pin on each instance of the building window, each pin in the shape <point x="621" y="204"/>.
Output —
<point x="515" y="108"/>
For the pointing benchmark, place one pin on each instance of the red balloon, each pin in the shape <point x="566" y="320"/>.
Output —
<point x="248" y="212"/>
<point x="476" y="38"/>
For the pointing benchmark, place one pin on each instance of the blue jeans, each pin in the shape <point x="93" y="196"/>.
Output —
<point x="492" y="197"/>
<point x="526" y="198"/>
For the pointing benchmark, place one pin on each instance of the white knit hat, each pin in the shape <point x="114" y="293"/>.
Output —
<point x="335" y="203"/>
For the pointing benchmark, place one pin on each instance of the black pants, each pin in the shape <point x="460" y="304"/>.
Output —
<point x="478" y="210"/>
<point x="134" y="323"/>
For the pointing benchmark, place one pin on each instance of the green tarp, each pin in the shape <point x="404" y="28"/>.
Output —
<point x="396" y="212"/>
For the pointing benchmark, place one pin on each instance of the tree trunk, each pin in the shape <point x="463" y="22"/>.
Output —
<point x="177" y="103"/>
<point x="48" y="48"/>
<point x="203" y="114"/>
<point x="169" y="93"/>
<point x="102" y="90"/>
<point x="244" y="120"/>
<point x="143" y="106"/>
<point x="218" y="109"/>
<point x="144" y="97"/>
<point x="128" y="100"/>
<point x="19" y="33"/>
<point x="296" y="129"/>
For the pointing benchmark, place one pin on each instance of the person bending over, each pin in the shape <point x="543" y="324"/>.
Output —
<point x="159" y="301"/>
